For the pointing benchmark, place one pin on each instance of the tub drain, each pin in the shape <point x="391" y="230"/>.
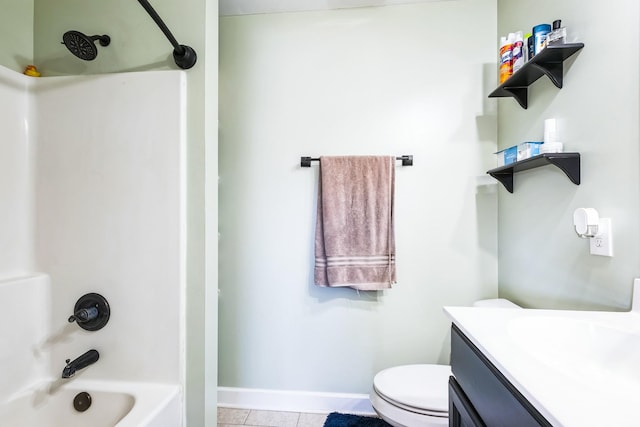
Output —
<point x="82" y="401"/>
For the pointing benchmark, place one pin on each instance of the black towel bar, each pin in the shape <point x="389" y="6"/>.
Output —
<point x="305" y="162"/>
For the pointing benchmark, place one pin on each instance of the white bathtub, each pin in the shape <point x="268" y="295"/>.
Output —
<point x="113" y="404"/>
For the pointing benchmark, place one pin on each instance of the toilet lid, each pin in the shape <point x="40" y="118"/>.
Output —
<point x="417" y="388"/>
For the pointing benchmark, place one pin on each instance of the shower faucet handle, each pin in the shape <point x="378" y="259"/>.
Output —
<point x="91" y="312"/>
<point x="84" y="315"/>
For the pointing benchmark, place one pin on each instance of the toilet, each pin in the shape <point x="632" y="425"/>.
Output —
<point x="417" y="395"/>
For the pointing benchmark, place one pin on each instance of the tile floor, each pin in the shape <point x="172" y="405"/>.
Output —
<point x="230" y="417"/>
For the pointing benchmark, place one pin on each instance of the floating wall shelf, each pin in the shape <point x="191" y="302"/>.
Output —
<point x="548" y="62"/>
<point x="569" y="163"/>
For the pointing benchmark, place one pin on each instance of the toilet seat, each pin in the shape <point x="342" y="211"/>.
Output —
<point x="420" y="389"/>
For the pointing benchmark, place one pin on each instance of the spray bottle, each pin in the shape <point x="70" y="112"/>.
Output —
<point x="506" y="57"/>
<point x="518" y="52"/>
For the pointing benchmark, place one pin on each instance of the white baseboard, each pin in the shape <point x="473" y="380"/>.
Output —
<point x="294" y="401"/>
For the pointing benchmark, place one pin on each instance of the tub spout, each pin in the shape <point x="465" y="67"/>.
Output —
<point x="84" y="360"/>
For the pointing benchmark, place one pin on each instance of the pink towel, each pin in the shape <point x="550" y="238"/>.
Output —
<point x="354" y="243"/>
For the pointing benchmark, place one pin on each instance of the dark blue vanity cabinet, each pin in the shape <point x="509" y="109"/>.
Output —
<point x="480" y="396"/>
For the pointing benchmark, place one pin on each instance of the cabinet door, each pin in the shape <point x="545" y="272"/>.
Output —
<point x="461" y="411"/>
<point x="495" y="399"/>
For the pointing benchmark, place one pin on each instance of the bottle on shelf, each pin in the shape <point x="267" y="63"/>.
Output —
<point x="540" y="33"/>
<point x="518" y="58"/>
<point x="506" y="57"/>
<point x="528" y="47"/>
<point x="558" y="34"/>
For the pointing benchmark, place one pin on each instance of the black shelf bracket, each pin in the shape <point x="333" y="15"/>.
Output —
<point x="553" y="70"/>
<point x="549" y="62"/>
<point x="520" y="94"/>
<point x="569" y="163"/>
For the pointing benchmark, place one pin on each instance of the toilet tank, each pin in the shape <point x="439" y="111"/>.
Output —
<point x="495" y="303"/>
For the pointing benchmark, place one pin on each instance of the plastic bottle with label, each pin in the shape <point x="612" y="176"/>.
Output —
<point x="558" y="35"/>
<point x="506" y="57"/>
<point x="518" y="51"/>
<point x="540" y="33"/>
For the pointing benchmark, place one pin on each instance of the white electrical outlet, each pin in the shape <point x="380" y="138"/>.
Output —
<point x="602" y="243"/>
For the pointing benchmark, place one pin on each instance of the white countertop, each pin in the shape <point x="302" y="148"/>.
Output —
<point x="577" y="368"/>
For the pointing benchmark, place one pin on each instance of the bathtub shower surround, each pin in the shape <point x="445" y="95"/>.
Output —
<point x="98" y="205"/>
<point x="24" y="348"/>
<point x="16" y="193"/>
<point x="110" y="215"/>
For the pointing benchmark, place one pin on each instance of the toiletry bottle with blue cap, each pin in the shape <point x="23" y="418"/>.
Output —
<point x="540" y="33"/>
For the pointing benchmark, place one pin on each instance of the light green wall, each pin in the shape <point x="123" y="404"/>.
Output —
<point x="354" y="81"/>
<point x="138" y="45"/>
<point x="16" y="33"/>
<point x="210" y="296"/>
<point x="542" y="262"/>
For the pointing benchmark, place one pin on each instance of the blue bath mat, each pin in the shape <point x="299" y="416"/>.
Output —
<point x="336" y="419"/>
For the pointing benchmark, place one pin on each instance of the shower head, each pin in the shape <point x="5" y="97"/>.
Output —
<point x="83" y="46"/>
